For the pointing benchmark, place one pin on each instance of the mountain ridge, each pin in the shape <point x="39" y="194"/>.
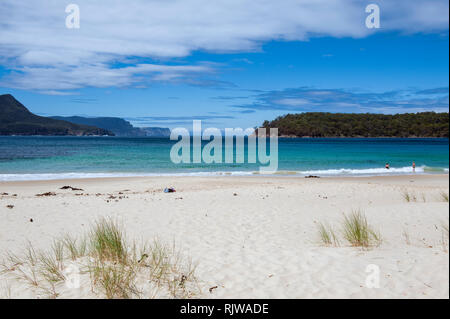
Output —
<point x="16" y="119"/>
<point x="117" y="125"/>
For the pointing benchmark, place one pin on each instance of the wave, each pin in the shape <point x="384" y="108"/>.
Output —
<point x="321" y="172"/>
<point x="57" y="176"/>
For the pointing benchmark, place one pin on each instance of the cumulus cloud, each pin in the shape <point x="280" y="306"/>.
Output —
<point x="44" y="55"/>
<point x="307" y="99"/>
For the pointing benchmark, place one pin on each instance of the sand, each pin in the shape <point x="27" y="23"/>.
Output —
<point x="252" y="237"/>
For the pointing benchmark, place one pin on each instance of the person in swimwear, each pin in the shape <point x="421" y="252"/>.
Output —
<point x="387" y="166"/>
<point x="414" y="166"/>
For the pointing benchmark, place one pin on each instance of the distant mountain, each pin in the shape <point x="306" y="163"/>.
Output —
<point x="317" y="124"/>
<point x="156" y="131"/>
<point x="118" y="126"/>
<point x="16" y="119"/>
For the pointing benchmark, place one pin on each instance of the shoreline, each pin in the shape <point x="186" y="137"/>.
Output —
<point x="221" y="175"/>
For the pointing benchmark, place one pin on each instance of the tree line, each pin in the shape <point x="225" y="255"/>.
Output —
<point x="319" y="124"/>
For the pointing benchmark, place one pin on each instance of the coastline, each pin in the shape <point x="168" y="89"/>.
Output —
<point x="434" y="177"/>
<point x="322" y="173"/>
<point x="251" y="237"/>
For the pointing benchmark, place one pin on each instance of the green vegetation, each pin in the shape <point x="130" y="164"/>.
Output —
<point x="409" y="196"/>
<point x="112" y="267"/>
<point x="108" y="242"/>
<point x="426" y="124"/>
<point x="327" y="235"/>
<point x="355" y="229"/>
<point x="16" y="119"/>
<point x="358" y="232"/>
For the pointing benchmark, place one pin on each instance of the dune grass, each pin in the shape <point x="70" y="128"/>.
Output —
<point x="357" y="231"/>
<point x="328" y="235"/>
<point x="107" y="241"/>
<point x="114" y="267"/>
<point x="444" y="196"/>
<point x="74" y="247"/>
<point x="409" y="196"/>
<point x="115" y="280"/>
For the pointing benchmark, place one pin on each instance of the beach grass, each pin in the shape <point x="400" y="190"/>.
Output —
<point x="75" y="248"/>
<point x="444" y="196"/>
<point x="23" y="268"/>
<point x="107" y="241"/>
<point x="409" y="196"/>
<point x="115" y="268"/>
<point x="357" y="231"/>
<point x="115" y="280"/>
<point x="328" y="235"/>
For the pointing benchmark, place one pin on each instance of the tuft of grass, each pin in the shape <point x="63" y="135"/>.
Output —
<point x="108" y="241"/>
<point x="409" y="197"/>
<point x="75" y="248"/>
<point x="115" y="268"/>
<point x="444" y="196"/>
<point x="51" y="267"/>
<point x="23" y="267"/>
<point x="167" y="268"/>
<point x="358" y="232"/>
<point x="328" y="235"/>
<point x="116" y="280"/>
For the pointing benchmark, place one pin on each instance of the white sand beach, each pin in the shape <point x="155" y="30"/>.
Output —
<point x="252" y="237"/>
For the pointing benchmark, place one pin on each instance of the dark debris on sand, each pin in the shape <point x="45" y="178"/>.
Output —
<point x="46" y="194"/>
<point x="71" y="188"/>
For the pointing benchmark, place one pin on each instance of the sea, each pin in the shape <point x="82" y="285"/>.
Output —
<point x="66" y="157"/>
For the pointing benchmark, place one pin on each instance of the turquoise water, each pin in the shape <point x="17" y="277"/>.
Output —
<point x="25" y="158"/>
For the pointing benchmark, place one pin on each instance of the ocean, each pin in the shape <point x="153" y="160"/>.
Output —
<point x="40" y="158"/>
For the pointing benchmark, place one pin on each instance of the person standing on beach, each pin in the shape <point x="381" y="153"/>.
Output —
<point x="414" y="167"/>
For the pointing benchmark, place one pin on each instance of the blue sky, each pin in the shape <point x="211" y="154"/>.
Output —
<point x="230" y="77"/>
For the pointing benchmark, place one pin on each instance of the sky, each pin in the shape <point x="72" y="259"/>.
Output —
<point x="229" y="63"/>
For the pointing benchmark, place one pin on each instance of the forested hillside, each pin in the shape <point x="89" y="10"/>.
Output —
<point x="426" y="124"/>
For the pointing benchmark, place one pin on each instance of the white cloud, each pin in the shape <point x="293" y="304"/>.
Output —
<point x="293" y="102"/>
<point x="305" y="99"/>
<point x="66" y="77"/>
<point x="45" y="55"/>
